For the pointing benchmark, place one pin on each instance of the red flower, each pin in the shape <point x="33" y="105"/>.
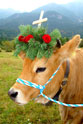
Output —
<point x="27" y="38"/>
<point x="46" y="38"/>
<point x="20" y="38"/>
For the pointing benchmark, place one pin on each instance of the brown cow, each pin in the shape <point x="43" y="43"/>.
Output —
<point x="72" y="92"/>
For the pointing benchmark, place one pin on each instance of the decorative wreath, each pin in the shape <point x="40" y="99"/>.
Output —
<point x="36" y="42"/>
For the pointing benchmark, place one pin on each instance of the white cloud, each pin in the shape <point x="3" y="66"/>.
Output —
<point x="28" y="5"/>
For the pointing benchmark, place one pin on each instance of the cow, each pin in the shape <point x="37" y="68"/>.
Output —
<point x="40" y="70"/>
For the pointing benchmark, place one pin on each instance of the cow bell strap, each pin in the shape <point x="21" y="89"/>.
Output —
<point x="64" y="82"/>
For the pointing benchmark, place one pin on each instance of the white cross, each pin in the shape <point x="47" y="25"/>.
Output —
<point x="41" y="20"/>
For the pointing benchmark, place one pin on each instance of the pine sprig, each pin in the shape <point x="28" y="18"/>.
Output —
<point x="55" y="34"/>
<point x="36" y="47"/>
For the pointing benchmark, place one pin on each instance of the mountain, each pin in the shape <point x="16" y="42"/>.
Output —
<point x="4" y="13"/>
<point x="58" y="8"/>
<point x="59" y="16"/>
<point x="9" y="26"/>
<point x="76" y="7"/>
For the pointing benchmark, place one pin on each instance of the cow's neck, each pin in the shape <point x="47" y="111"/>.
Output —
<point x="64" y="81"/>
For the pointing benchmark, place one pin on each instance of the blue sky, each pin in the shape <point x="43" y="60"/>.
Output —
<point x="28" y="5"/>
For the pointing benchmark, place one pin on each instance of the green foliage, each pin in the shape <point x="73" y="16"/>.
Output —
<point x="36" y="47"/>
<point x="0" y="50"/>
<point x="64" y="40"/>
<point x="32" y="50"/>
<point x="8" y="46"/>
<point x="55" y="35"/>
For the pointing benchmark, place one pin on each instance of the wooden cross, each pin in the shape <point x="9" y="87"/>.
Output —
<point x="41" y="20"/>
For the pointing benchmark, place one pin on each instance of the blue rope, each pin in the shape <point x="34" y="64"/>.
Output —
<point x="42" y="87"/>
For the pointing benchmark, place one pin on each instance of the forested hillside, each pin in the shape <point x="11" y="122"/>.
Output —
<point x="63" y="17"/>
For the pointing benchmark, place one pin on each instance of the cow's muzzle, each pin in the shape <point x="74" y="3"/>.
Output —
<point x="13" y="94"/>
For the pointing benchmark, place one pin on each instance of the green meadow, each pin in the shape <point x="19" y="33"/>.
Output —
<point x="10" y="112"/>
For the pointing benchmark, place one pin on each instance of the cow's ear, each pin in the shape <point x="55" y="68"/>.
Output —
<point x="22" y="55"/>
<point x="74" y="42"/>
<point x="71" y="45"/>
<point x="68" y="49"/>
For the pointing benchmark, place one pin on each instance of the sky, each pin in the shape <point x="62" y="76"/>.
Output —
<point x="28" y="5"/>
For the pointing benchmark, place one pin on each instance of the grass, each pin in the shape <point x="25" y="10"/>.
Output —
<point x="11" y="113"/>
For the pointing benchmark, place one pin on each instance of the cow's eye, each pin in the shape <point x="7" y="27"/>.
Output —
<point x="40" y="69"/>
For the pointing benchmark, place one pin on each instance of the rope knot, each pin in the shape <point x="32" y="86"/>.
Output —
<point x="41" y="88"/>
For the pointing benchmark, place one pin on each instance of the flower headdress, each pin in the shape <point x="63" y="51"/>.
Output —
<point x="35" y="42"/>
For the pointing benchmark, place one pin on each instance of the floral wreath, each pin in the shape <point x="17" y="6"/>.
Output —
<point x="36" y="42"/>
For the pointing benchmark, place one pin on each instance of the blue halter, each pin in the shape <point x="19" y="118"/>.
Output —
<point x="42" y="87"/>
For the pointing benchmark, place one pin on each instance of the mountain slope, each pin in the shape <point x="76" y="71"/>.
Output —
<point x="9" y="26"/>
<point x="58" y="17"/>
<point x="4" y="13"/>
<point x="76" y="7"/>
<point x="58" y="8"/>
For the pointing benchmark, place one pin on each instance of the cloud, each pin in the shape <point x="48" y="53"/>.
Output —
<point x="28" y="5"/>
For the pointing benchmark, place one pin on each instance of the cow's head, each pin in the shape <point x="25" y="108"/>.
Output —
<point x="39" y="71"/>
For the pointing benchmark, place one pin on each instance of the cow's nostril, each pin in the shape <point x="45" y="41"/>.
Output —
<point x="12" y="93"/>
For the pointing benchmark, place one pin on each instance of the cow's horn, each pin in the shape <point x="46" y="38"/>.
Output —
<point x="58" y="43"/>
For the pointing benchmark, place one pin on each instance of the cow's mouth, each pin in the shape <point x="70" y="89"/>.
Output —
<point x="19" y="103"/>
